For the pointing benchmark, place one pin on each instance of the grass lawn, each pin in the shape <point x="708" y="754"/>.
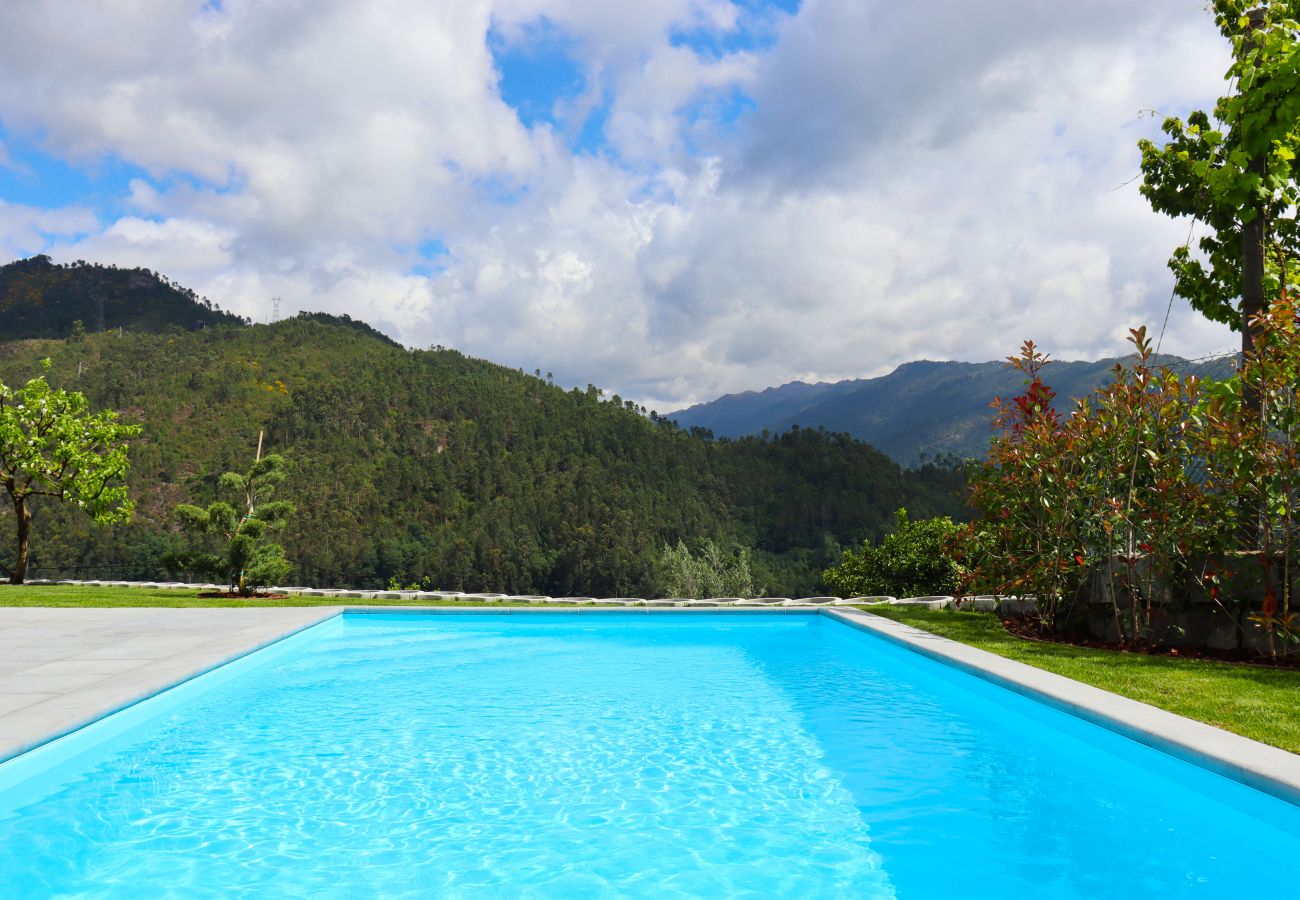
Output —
<point x="81" y="595"/>
<point x="1259" y="703"/>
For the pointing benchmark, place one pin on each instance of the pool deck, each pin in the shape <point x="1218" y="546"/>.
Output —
<point x="63" y="668"/>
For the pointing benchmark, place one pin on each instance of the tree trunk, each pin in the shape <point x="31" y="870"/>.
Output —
<point x="24" y="516"/>
<point x="1254" y="239"/>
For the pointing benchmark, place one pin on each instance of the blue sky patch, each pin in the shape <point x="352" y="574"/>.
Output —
<point x="537" y="71"/>
<point x="34" y="178"/>
<point x="591" y="136"/>
<point x="433" y="258"/>
<point x="755" y="30"/>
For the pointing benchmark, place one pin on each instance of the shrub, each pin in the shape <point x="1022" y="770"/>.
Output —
<point x="912" y="561"/>
<point x="712" y="572"/>
<point x="1158" y="484"/>
<point x="1114" y="483"/>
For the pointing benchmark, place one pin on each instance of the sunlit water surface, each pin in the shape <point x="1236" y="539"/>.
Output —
<point x="629" y="756"/>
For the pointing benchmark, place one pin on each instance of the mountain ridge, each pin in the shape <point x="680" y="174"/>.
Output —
<point x="922" y="409"/>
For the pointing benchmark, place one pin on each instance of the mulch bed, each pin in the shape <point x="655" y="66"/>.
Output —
<point x="1032" y="629"/>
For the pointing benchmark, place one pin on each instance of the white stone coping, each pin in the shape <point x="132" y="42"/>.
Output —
<point x="934" y="602"/>
<point x="1271" y="770"/>
<point x="344" y="594"/>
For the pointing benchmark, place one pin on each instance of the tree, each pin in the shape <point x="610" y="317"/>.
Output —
<point x="51" y="445"/>
<point x="1235" y="171"/>
<point x="243" y="557"/>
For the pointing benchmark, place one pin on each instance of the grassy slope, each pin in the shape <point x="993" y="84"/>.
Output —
<point x="1259" y="703"/>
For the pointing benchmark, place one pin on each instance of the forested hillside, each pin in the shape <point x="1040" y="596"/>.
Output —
<point x="431" y="465"/>
<point x="41" y="299"/>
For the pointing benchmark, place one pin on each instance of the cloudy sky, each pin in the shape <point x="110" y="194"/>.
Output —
<point x="672" y="199"/>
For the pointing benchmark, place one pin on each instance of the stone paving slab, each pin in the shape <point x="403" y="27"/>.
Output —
<point x="62" y="668"/>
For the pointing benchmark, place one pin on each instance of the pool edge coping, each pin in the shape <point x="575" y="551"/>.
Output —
<point x="1268" y="769"/>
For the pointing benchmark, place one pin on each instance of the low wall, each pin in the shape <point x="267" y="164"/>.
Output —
<point x="1184" y="614"/>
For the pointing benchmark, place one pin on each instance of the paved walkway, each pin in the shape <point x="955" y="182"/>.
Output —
<point x="63" y="668"/>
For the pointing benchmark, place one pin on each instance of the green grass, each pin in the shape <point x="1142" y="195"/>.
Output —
<point x="1256" y="702"/>
<point x="1259" y="703"/>
<point x="70" y="595"/>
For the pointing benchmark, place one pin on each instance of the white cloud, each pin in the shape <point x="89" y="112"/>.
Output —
<point x="186" y="244"/>
<point x="27" y="230"/>
<point x="927" y="180"/>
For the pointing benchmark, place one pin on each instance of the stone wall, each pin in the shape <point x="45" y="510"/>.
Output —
<point x="1184" y="614"/>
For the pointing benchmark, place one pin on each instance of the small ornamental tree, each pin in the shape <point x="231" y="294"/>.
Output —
<point x="1112" y="488"/>
<point x="51" y="445"/>
<point x="233" y="534"/>
<point x="1026" y="490"/>
<point x="911" y="561"/>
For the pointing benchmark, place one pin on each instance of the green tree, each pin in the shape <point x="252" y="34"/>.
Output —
<point x="911" y="561"/>
<point x="51" y="445"/>
<point x="1235" y="170"/>
<point x="240" y="528"/>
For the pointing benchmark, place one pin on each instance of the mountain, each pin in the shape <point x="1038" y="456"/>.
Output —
<point x="41" y="299"/>
<point x="920" y="409"/>
<point x="432" y="466"/>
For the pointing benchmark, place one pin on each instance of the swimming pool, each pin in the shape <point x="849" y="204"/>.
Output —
<point x="620" y="755"/>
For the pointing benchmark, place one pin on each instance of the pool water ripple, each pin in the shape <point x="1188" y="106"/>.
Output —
<point x="576" y="756"/>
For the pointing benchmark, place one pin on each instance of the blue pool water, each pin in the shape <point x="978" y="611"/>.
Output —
<point x="620" y="755"/>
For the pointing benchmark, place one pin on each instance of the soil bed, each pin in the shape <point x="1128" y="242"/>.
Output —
<point x="234" y="595"/>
